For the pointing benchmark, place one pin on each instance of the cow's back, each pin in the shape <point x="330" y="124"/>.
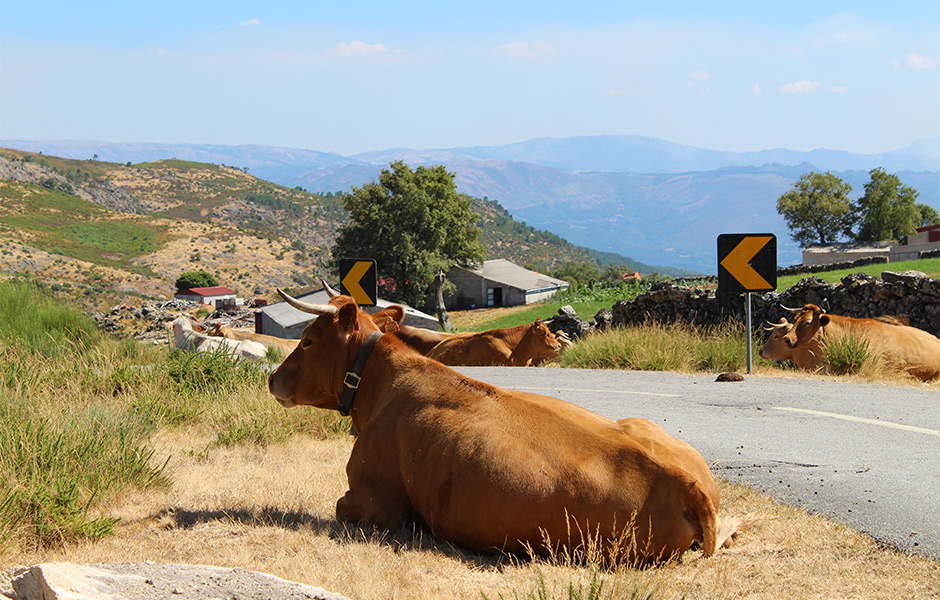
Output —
<point x="501" y="468"/>
<point x="904" y="347"/>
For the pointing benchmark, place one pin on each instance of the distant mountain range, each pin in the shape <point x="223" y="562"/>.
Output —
<point x="655" y="201"/>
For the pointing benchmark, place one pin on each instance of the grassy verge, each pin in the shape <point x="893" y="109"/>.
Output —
<point x="657" y="347"/>
<point x="78" y="408"/>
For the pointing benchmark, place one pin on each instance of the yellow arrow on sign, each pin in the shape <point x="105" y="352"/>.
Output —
<point x="352" y="279"/>
<point x="736" y="263"/>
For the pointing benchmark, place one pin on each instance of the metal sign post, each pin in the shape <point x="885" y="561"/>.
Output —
<point x="747" y="320"/>
<point x="747" y="262"/>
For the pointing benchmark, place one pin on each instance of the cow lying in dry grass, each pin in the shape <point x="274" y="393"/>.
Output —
<point x="185" y="337"/>
<point x="268" y="341"/>
<point x="907" y="348"/>
<point x="493" y="469"/>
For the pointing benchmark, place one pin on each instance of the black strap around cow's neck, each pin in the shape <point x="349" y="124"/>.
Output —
<point x="354" y="375"/>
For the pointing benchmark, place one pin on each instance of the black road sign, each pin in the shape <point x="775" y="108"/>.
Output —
<point x="357" y="279"/>
<point x="747" y="262"/>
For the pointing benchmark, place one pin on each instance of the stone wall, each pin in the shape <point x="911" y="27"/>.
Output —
<point x="910" y="295"/>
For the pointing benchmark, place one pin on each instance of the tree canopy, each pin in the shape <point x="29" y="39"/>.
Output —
<point x="888" y="209"/>
<point x="194" y="279"/>
<point x="415" y="225"/>
<point x="817" y="209"/>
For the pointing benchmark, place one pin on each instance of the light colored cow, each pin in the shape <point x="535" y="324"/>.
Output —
<point x="493" y="469"/>
<point x="185" y="337"/>
<point x="268" y="341"/>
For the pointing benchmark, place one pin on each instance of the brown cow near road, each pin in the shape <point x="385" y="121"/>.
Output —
<point x="422" y="340"/>
<point x="910" y="349"/>
<point x="521" y="346"/>
<point x="492" y="469"/>
<point x="809" y="358"/>
<point x="268" y="341"/>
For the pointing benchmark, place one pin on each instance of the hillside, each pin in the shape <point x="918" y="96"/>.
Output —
<point x="657" y="202"/>
<point x="92" y="227"/>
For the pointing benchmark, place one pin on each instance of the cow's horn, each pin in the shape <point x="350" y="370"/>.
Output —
<point x="314" y="309"/>
<point x="549" y="321"/>
<point x="329" y="290"/>
<point x="782" y="323"/>
<point x="792" y="310"/>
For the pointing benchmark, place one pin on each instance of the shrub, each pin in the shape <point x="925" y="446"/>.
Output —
<point x="195" y="279"/>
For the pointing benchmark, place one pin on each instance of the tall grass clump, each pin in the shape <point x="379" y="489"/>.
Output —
<point x="654" y="346"/>
<point x="850" y="354"/>
<point x="64" y="439"/>
<point x="44" y="325"/>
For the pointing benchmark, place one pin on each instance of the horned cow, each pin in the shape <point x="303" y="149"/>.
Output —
<point x="493" y="469"/>
<point x="809" y="358"/>
<point x="910" y="349"/>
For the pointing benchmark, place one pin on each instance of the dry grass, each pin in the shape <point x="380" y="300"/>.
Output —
<point x="272" y="509"/>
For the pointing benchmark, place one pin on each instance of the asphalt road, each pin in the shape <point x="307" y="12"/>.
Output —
<point x="865" y="455"/>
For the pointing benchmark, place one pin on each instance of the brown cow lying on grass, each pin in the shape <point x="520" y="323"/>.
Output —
<point x="809" y="358"/>
<point x="493" y="469"/>
<point x="521" y="346"/>
<point x="910" y="349"/>
<point x="268" y="341"/>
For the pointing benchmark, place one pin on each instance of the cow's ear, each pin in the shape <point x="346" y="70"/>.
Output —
<point x="390" y="313"/>
<point x="347" y="317"/>
<point x="823" y="320"/>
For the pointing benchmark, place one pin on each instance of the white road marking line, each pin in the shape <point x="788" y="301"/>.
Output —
<point x="558" y="389"/>
<point x="859" y="420"/>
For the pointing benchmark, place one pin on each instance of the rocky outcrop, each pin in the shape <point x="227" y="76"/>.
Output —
<point x="910" y="295"/>
<point x="101" y="193"/>
<point x="148" y="581"/>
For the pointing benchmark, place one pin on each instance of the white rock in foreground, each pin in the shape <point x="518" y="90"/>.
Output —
<point x="147" y="581"/>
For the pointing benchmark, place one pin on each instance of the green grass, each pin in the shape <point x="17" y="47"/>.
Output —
<point x="930" y="266"/>
<point x="586" y="302"/>
<point x="78" y="407"/>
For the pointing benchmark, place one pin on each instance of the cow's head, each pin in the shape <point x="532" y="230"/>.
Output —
<point x="540" y="343"/>
<point x="217" y="330"/>
<point x="313" y="373"/>
<point x="775" y="348"/>
<point x="806" y="324"/>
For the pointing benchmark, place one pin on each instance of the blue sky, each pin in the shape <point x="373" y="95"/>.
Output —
<point x="356" y="76"/>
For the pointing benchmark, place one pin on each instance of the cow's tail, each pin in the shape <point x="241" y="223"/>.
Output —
<point x="716" y="533"/>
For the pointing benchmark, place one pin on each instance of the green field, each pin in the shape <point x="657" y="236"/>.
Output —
<point x="65" y="224"/>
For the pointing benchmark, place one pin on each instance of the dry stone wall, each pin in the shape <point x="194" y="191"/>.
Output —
<point x="909" y="294"/>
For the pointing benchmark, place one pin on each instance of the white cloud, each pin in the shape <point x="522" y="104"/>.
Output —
<point x="524" y="51"/>
<point x="837" y="89"/>
<point x="800" y="87"/>
<point x="755" y="89"/>
<point x="699" y="75"/>
<point x="250" y="23"/>
<point x="360" y="50"/>
<point x="916" y="62"/>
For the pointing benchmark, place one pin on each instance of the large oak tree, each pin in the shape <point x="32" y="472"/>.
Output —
<point x="416" y="226"/>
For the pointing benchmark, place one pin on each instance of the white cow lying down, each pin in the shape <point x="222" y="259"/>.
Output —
<point x="186" y="338"/>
